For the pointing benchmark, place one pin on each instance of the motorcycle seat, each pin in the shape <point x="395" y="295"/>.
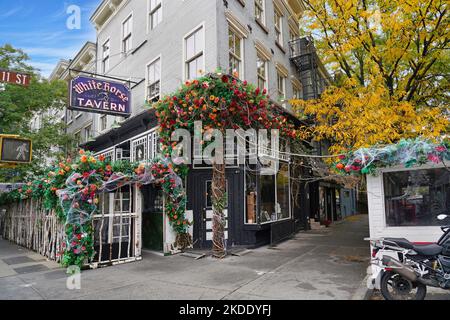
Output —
<point x="428" y="249"/>
<point x="401" y="242"/>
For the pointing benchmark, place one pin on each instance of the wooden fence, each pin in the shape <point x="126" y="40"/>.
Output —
<point x="117" y="228"/>
<point x="29" y="225"/>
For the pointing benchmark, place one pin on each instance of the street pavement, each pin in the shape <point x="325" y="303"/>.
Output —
<point x="326" y="264"/>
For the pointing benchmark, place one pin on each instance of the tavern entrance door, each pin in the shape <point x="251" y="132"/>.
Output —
<point x="152" y="218"/>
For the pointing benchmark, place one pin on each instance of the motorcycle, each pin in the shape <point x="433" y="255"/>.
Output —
<point x="402" y="270"/>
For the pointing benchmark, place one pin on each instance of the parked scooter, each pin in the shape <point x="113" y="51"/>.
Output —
<point x="402" y="270"/>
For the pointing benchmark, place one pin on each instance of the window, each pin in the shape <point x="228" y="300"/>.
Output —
<point x="127" y="29"/>
<point x="155" y="15"/>
<point x="259" y="11"/>
<point x="69" y="116"/>
<point x="278" y="17"/>
<point x="194" y="54"/>
<point x="105" y="56"/>
<point x="103" y="122"/>
<point x="281" y="86"/>
<point x="283" y="194"/>
<point x="250" y="194"/>
<point x="297" y="91"/>
<point x="235" y="47"/>
<point x="292" y="34"/>
<point x="261" y="65"/>
<point x="154" y="145"/>
<point x="77" y="139"/>
<point x="87" y="132"/>
<point x="416" y="197"/>
<point x="267" y="185"/>
<point x="154" y="80"/>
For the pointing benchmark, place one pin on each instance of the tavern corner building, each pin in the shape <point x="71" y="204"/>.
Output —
<point x="153" y="47"/>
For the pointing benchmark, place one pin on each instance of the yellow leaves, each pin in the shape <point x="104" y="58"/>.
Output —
<point x="361" y="117"/>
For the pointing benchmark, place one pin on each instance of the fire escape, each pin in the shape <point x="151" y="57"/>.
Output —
<point x="304" y="56"/>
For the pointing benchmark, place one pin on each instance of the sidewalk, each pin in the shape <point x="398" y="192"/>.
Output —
<point x="323" y="264"/>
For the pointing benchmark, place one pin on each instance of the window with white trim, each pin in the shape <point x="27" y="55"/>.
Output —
<point x="106" y="49"/>
<point x="155" y="13"/>
<point x="297" y="92"/>
<point x="154" y="80"/>
<point x="281" y="85"/>
<point x="235" y="44"/>
<point x="127" y="31"/>
<point x="259" y="11"/>
<point x="103" y="122"/>
<point x="278" y="21"/>
<point x="87" y="132"/>
<point x="194" y="54"/>
<point x="261" y="66"/>
<point x="77" y="139"/>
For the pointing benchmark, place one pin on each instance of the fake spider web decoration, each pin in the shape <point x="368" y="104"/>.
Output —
<point x="407" y="152"/>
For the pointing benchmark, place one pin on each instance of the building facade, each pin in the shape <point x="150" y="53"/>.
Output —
<point x="154" y="46"/>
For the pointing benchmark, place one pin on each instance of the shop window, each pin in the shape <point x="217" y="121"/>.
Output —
<point x="267" y="210"/>
<point x="416" y="197"/>
<point x="283" y="194"/>
<point x="250" y="194"/>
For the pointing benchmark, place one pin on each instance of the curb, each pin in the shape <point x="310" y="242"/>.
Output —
<point x="363" y="293"/>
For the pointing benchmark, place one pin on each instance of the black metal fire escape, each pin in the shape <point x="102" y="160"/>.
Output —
<point x="304" y="56"/>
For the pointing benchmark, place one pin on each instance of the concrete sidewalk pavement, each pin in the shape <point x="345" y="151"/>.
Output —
<point x="329" y="263"/>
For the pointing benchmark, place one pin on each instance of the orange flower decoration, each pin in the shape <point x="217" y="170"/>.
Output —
<point x="81" y="152"/>
<point x="101" y="158"/>
<point x="84" y="159"/>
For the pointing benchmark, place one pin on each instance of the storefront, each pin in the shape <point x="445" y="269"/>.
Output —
<point x="261" y="209"/>
<point x="405" y="202"/>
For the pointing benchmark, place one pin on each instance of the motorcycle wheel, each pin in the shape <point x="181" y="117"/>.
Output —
<point x="395" y="287"/>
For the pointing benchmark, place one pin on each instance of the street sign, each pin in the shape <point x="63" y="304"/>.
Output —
<point x="15" y="150"/>
<point x="99" y="96"/>
<point x="21" y="79"/>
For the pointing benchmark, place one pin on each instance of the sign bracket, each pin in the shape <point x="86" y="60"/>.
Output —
<point x="104" y="76"/>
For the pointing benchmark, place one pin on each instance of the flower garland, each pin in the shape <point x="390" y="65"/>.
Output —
<point x="410" y="152"/>
<point x="72" y="190"/>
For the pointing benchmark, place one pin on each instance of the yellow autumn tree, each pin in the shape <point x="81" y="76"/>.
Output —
<point x="393" y="60"/>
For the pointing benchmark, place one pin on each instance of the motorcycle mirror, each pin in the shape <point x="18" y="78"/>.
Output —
<point x="442" y="216"/>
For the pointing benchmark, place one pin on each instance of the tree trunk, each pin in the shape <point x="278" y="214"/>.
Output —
<point x="219" y="200"/>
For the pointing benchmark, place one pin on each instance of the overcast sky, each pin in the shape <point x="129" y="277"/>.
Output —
<point x="40" y="29"/>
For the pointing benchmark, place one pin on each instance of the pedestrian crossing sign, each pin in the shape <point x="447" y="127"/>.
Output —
<point x="15" y="150"/>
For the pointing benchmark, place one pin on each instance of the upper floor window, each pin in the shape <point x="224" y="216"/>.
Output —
<point x="293" y="35"/>
<point x="155" y="15"/>
<point x="194" y="54"/>
<point x="278" y="20"/>
<point x="154" y="80"/>
<point x="87" y="132"/>
<point x="105" y="55"/>
<point x="103" y="122"/>
<point x="127" y="30"/>
<point x="235" y="52"/>
<point x="77" y="139"/>
<point x="259" y="11"/>
<point x="261" y="65"/>
<point x="297" y="92"/>
<point x="281" y="86"/>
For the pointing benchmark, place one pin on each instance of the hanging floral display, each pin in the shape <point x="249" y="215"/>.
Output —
<point x="409" y="153"/>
